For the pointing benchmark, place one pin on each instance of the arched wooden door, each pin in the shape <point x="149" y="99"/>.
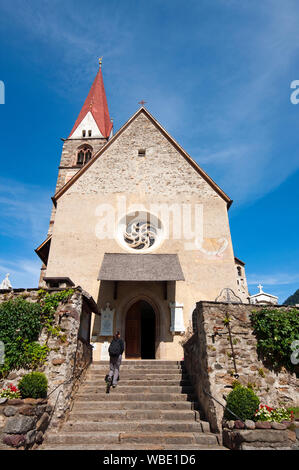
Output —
<point x="140" y="331"/>
<point x="133" y="332"/>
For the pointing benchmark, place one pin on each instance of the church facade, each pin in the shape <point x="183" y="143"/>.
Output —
<point x="141" y="227"/>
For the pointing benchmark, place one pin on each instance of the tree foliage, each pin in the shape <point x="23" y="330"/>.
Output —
<point x="276" y="330"/>
<point x="293" y="299"/>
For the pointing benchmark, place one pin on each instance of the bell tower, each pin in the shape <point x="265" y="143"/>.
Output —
<point x="91" y="131"/>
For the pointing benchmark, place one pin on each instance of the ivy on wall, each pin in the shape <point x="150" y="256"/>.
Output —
<point x="276" y="330"/>
<point x="21" y="323"/>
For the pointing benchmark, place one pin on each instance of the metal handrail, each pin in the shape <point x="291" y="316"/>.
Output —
<point x="66" y="382"/>
<point x="225" y="407"/>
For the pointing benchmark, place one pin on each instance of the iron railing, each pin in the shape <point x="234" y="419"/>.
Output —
<point x="225" y="407"/>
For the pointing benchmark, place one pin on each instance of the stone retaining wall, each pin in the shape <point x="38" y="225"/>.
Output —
<point x="69" y="357"/>
<point x="209" y="361"/>
<point x="265" y="436"/>
<point x="23" y="422"/>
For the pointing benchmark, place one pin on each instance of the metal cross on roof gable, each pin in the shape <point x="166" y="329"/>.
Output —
<point x="142" y="102"/>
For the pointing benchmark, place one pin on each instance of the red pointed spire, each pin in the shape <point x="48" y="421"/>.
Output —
<point x="96" y="103"/>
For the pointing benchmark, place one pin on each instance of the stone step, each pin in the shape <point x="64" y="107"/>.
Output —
<point x="131" y="374"/>
<point x="138" y="371"/>
<point x="114" y="404"/>
<point x="131" y="415"/>
<point x="142" y="362"/>
<point x="123" y="447"/>
<point x="136" y="389"/>
<point x="144" y="383"/>
<point x="160" y="438"/>
<point x="160" y="367"/>
<point x="144" y="426"/>
<point x="136" y="397"/>
<point x="152" y="408"/>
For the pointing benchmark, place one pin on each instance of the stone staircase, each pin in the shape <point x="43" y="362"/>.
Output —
<point x="151" y="408"/>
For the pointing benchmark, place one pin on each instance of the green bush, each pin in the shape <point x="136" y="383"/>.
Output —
<point x="20" y="325"/>
<point x="19" y="318"/>
<point x="243" y="402"/>
<point x="276" y="329"/>
<point x="21" y="322"/>
<point x="33" y="385"/>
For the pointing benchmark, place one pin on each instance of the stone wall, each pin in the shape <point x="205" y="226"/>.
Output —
<point x="68" y="163"/>
<point x="23" y="422"/>
<point x="209" y="360"/>
<point x="258" y="439"/>
<point x="69" y="355"/>
<point x="163" y="170"/>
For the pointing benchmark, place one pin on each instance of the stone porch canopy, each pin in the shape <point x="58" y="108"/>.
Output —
<point x="140" y="267"/>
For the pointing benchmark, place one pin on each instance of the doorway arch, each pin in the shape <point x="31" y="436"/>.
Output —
<point x="140" y="330"/>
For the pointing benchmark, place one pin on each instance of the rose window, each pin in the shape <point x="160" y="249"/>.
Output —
<point x="139" y="231"/>
<point x="140" y="235"/>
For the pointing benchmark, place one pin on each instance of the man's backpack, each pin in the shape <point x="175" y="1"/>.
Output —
<point x="115" y="348"/>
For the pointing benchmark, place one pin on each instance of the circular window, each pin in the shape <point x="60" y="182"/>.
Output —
<point x="140" y="231"/>
<point x="140" y="235"/>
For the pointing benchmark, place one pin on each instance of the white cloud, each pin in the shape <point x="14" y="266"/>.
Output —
<point x="273" y="279"/>
<point x="247" y="158"/>
<point x="25" y="210"/>
<point x="239" y="121"/>
<point x="73" y="39"/>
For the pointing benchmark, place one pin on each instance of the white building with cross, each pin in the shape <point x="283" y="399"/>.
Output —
<point x="262" y="298"/>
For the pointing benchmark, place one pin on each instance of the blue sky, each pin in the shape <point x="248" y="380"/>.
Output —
<point x="215" y="73"/>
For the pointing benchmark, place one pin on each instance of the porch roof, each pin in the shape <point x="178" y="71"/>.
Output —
<point x="140" y="267"/>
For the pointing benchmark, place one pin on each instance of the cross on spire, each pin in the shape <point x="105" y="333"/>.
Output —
<point x="142" y="102"/>
<point x="260" y="288"/>
<point x="96" y="106"/>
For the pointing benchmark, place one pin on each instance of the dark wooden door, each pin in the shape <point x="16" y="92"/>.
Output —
<point x="133" y="349"/>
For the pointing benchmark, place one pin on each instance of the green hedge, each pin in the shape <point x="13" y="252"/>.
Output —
<point x="276" y="330"/>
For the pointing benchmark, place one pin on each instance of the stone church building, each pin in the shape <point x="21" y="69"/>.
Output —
<point x="139" y="225"/>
